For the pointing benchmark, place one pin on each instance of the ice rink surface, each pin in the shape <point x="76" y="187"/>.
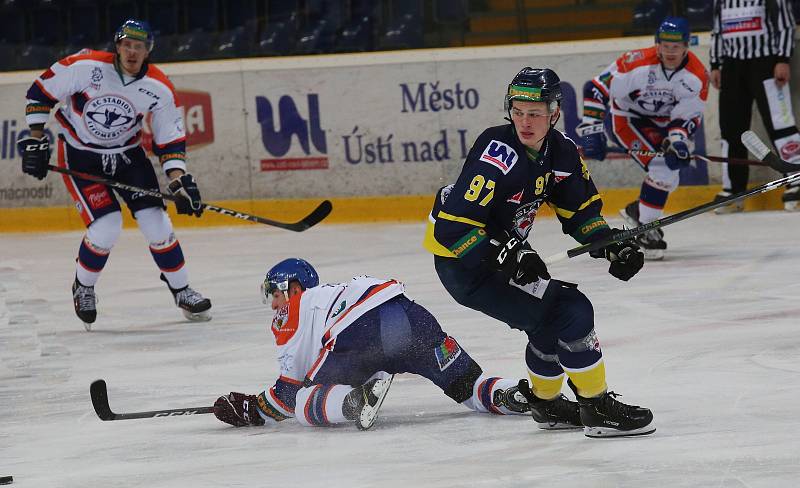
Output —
<point x="709" y="339"/>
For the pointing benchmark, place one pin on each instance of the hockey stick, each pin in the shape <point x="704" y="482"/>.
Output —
<point x="707" y="159"/>
<point x="315" y="217"/>
<point x="754" y="144"/>
<point x="100" y="402"/>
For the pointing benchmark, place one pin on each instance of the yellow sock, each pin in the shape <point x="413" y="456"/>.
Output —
<point x="590" y="382"/>
<point x="545" y="387"/>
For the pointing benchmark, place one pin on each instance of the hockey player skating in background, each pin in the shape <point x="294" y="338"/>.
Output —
<point x="656" y="96"/>
<point x="105" y="97"/>
<point x="358" y="333"/>
<point x="477" y="232"/>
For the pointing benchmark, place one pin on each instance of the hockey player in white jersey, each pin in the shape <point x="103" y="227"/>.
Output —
<point x="104" y="98"/>
<point x="339" y="346"/>
<point x="656" y="97"/>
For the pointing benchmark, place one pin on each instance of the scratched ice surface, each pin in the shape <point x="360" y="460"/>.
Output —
<point x="709" y="339"/>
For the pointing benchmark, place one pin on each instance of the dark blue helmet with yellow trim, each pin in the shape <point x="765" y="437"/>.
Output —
<point x="534" y="85"/>
<point x="138" y="30"/>
<point x="673" y="29"/>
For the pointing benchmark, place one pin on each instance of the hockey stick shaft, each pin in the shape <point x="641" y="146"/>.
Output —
<point x="319" y="213"/>
<point x="712" y="159"/>
<point x="761" y="152"/>
<point x="99" y="395"/>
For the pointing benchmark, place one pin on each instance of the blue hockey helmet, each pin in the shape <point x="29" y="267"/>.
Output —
<point x="673" y="29"/>
<point x="288" y="270"/>
<point x="138" y="30"/>
<point x="534" y="85"/>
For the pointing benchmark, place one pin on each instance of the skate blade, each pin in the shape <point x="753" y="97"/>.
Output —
<point x="203" y="316"/>
<point x="793" y="206"/>
<point x="87" y="326"/>
<point x="369" y="414"/>
<point x="653" y="254"/>
<point x="609" y="432"/>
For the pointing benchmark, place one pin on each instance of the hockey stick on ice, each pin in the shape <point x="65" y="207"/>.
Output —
<point x="754" y="144"/>
<point x="315" y="217"/>
<point x="100" y="402"/>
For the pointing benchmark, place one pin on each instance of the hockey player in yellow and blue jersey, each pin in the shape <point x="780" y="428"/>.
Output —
<point x="478" y="232"/>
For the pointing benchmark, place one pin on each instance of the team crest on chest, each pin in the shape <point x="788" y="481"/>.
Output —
<point x="499" y="155"/>
<point x="108" y="116"/>
<point x="524" y="217"/>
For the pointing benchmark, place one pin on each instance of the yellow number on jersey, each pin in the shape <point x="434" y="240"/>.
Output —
<point x="475" y="188"/>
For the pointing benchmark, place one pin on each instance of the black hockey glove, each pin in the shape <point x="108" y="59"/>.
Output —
<point x="35" y="156"/>
<point x="625" y="257"/>
<point x="515" y="262"/>
<point x="238" y="409"/>
<point x="185" y="188"/>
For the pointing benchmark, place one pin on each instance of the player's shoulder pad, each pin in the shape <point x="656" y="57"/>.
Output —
<point x="696" y="67"/>
<point x="636" y="58"/>
<point x="564" y="153"/>
<point x="88" y="54"/>
<point x="495" y="147"/>
<point x="154" y="73"/>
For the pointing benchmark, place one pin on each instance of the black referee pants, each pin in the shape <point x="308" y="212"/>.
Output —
<point x="742" y="82"/>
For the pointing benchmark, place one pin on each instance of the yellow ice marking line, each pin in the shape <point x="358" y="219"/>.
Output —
<point x="383" y="209"/>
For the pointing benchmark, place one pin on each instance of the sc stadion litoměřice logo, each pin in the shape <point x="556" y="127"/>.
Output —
<point x="109" y="116"/>
<point x="198" y="120"/>
<point x="278" y="143"/>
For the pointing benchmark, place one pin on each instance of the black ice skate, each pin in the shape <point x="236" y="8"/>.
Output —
<point x="85" y="302"/>
<point x="605" y="416"/>
<point x="558" y="413"/>
<point x="363" y="403"/>
<point x="791" y="199"/>
<point x="193" y="305"/>
<point x="652" y="242"/>
<point x="512" y="399"/>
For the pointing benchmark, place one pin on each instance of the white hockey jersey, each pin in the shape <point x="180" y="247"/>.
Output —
<point x="102" y="111"/>
<point x="637" y="85"/>
<point x="305" y="331"/>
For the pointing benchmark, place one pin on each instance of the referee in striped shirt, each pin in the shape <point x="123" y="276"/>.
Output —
<point x="752" y="41"/>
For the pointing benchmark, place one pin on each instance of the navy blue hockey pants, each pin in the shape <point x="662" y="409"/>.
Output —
<point x="562" y="313"/>
<point x="399" y="336"/>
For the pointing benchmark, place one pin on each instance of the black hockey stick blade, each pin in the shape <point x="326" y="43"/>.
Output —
<point x="319" y="213"/>
<point x="100" y="402"/>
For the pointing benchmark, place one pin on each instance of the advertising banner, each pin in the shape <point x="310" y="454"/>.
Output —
<point x="369" y="124"/>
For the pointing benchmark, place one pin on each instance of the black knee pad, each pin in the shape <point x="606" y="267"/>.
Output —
<point x="460" y="389"/>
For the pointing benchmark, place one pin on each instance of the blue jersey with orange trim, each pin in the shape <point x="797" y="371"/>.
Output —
<point x="306" y="328"/>
<point x="103" y="111"/>
<point x="501" y="188"/>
